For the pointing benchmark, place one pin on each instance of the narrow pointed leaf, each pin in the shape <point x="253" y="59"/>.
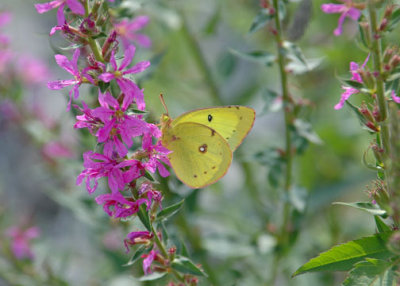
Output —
<point x="365" y="206"/>
<point x="185" y="265"/>
<point x="262" y="57"/>
<point x="261" y="19"/>
<point x="144" y="217"/>
<point x="343" y="257"/>
<point x="169" y="211"/>
<point x="153" y="276"/>
<point x="136" y="256"/>
<point x="380" y="225"/>
<point x="371" y="272"/>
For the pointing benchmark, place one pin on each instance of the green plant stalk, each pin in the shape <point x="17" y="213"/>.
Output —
<point x="93" y="43"/>
<point x="288" y="121"/>
<point x="376" y="51"/>
<point x="201" y="63"/>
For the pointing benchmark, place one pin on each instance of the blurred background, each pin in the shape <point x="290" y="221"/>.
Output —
<point x="227" y="226"/>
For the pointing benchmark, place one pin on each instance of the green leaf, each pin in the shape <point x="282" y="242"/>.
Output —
<point x="138" y="253"/>
<point x="371" y="272"/>
<point x="153" y="276"/>
<point x="226" y="64"/>
<point x="261" y="19"/>
<point x="212" y="24"/>
<point x="144" y="217"/>
<point x="394" y="19"/>
<point x="271" y="101"/>
<point x="169" y="211"/>
<point x="185" y="265"/>
<point x="298" y="198"/>
<point x="380" y="225"/>
<point x="103" y="86"/>
<point x="343" y="257"/>
<point x="365" y="206"/>
<point x="293" y="51"/>
<point x="304" y="129"/>
<point x="262" y="57"/>
<point x="131" y="111"/>
<point x="352" y="83"/>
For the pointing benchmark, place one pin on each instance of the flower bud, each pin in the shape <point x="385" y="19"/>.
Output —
<point x="379" y="194"/>
<point x="95" y="9"/>
<point x="110" y="44"/>
<point x="88" y="26"/>
<point x="388" y="11"/>
<point x="394" y="61"/>
<point x="376" y="114"/>
<point x="383" y="24"/>
<point x="387" y="55"/>
<point x="378" y="152"/>
<point x="372" y="126"/>
<point x="367" y="78"/>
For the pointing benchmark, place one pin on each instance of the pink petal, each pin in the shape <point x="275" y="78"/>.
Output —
<point x="76" y="7"/>
<point x="139" y="22"/>
<point x="42" y="8"/>
<point x="129" y="54"/>
<point x="143" y="40"/>
<point x="353" y="13"/>
<point x="139" y="67"/>
<point x="106" y="77"/>
<point x="59" y="84"/>
<point x="65" y="63"/>
<point x="333" y="8"/>
<point x="395" y="97"/>
<point x="345" y="96"/>
<point x="60" y="15"/>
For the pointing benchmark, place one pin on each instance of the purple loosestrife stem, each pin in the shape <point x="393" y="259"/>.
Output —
<point x="93" y="43"/>
<point x="288" y="119"/>
<point x="376" y="51"/>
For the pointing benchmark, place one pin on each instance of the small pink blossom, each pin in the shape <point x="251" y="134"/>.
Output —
<point x="72" y="68"/>
<point x="127" y="31"/>
<point x="116" y="205"/>
<point x="54" y="149"/>
<point x="75" y="6"/>
<point x="99" y="165"/>
<point x="148" y="260"/>
<point x="20" y="244"/>
<point x="128" y="87"/>
<point x="88" y="119"/>
<point x="346" y="10"/>
<point x="395" y="97"/>
<point x="117" y="124"/>
<point x="348" y="91"/>
<point x="133" y="237"/>
<point x="32" y="71"/>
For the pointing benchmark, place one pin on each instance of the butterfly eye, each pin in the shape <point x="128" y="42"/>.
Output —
<point x="210" y="118"/>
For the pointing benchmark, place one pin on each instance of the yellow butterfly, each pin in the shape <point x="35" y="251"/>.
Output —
<point x="202" y="141"/>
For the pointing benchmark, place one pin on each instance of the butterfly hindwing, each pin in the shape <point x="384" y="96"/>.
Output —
<point x="200" y="156"/>
<point x="232" y="122"/>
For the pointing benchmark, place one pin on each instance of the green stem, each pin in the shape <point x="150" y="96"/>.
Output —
<point x="93" y="43"/>
<point x="201" y="63"/>
<point x="288" y="121"/>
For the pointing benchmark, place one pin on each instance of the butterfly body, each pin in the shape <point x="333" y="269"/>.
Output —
<point x="202" y="141"/>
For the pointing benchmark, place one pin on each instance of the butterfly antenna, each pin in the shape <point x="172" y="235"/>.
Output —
<point x="163" y="103"/>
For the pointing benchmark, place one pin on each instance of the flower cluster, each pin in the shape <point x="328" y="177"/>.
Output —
<point x="116" y="120"/>
<point x="21" y="240"/>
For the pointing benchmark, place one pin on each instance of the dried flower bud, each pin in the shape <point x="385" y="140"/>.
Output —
<point x="394" y="61"/>
<point x="388" y="11"/>
<point x="372" y="126"/>
<point x="383" y="24"/>
<point x="366" y="112"/>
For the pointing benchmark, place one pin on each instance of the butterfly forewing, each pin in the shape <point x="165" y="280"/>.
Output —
<point x="233" y="122"/>
<point x="200" y="156"/>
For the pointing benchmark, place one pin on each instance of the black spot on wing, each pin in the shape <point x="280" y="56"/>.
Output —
<point x="195" y="176"/>
<point x="209" y="118"/>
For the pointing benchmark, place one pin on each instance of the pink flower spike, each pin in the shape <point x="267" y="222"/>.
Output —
<point x="346" y="10"/>
<point x="395" y="97"/>
<point x="21" y="241"/>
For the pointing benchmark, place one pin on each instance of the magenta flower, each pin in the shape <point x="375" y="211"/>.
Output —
<point x="117" y="124"/>
<point x="21" y="241"/>
<point x="99" y="165"/>
<point x="72" y="68"/>
<point x="395" y="97"/>
<point x="128" y="87"/>
<point x="116" y="205"/>
<point x="87" y="119"/>
<point x="146" y="189"/>
<point x="75" y="6"/>
<point x="148" y="260"/>
<point x="346" y="10"/>
<point x="134" y="237"/>
<point x="157" y="154"/>
<point x="350" y="90"/>
<point x="127" y="31"/>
